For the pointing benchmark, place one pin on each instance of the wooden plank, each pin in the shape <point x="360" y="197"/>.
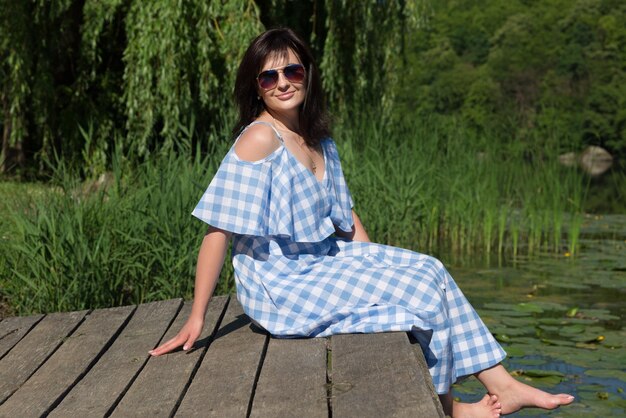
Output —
<point x="293" y="380"/>
<point x="32" y="350"/>
<point x="158" y="388"/>
<point x="377" y="375"/>
<point x="13" y="329"/>
<point x="78" y="352"/>
<point x="99" y="390"/>
<point x="225" y="380"/>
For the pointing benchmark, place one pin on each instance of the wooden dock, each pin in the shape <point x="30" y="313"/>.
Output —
<point x="96" y="363"/>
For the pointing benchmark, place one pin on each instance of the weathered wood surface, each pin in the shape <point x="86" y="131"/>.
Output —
<point x="159" y="387"/>
<point x="32" y="350"/>
<point x="98" y="392"/>
<point x="293" y="373"/>
<point x="58" y="374"/>
<point x="378" y="375"/>
<point x="224" y="383"/>
<point x="13" y="329"/>
<point x="97" y="364"/>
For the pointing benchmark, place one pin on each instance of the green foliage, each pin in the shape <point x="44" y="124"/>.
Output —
<point x="360" y="65"/>
<point x="150" y="72"/>
<point x="436" y="186"/>
<point x="422" y="185"/>
<point x="129" y="241"/>
<point x="523" y="70"/>
<point x="191" y="59"/>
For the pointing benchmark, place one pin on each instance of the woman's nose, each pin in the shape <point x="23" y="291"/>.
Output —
<point x="282" y="81"/>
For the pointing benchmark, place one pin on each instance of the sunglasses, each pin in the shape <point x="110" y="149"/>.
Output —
<point x="268" y="79"/>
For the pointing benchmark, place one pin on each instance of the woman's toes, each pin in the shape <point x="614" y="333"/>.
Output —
<point x="564" y="399"/>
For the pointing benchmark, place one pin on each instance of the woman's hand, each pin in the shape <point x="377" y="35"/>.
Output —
<point x="188" y="335"/>
<point x="210" y="261"/>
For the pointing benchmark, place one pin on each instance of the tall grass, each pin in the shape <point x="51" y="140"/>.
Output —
<point x="132" y="242"/>
<point x="431" y="187"/>
<point x="417" y="185"/>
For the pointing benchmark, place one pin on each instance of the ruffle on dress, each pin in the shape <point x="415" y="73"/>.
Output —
<point x="261" y="197"/>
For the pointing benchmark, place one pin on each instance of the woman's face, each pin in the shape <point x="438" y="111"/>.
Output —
<point x="286" y="95"/>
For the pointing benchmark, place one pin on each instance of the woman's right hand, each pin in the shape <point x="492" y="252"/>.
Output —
<point x="187" y="335"/>
<point x="210" y="261"/>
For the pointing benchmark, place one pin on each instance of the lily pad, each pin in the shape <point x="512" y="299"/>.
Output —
<point x="583" y="321"/>
<point x="571" y="330"/>
<point x="588" y="338"/>
<point x="564" y="285"/>
<point x="558" y="342"/>
<point x="541" y="377"/>
<point x="593" y="387"/>
<point x="509" y="331"/>
<point x="602" y="314"/>
<point x="533" y="341"/>
<point x="528" y="307"/>
<point x="550" y="306"/>
<point x="519" y="322"/>
<point x="587" y="346"/>
<point x="549" y="328"/>
<point x="554" y="321"/>
<point x="607" y="374"/>
<point x="613" y="339"/>
<point x="541" y="373"/>
<point x="531" y="361"/>
<point x="515" y="351"/>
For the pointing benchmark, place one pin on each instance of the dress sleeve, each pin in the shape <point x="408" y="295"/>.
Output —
<point x="264" y="198"/>
<point x="237" y="199"/>
<point x="341" y="212"/>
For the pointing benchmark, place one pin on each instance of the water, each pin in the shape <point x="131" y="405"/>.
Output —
<point x="561" y="319"/>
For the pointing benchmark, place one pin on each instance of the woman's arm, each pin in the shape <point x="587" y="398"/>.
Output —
<point x="210" y="262"/>
<point x="358" y="232"/>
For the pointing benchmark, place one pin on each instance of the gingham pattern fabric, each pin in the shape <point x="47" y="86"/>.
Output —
<point x="265" y="197"/>
<point x="295" y="279"/>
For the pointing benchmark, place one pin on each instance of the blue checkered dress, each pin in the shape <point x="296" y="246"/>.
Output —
<point x="294" y="278"/>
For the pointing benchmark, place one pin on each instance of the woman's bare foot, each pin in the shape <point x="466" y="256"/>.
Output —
<point x="487" y="407"/>
<point x="515" y="395"/>
<point x="518" y="395"/>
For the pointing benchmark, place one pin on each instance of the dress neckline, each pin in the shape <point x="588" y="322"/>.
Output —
<point x="305" y="168"/>
<point x="298" y="162"/>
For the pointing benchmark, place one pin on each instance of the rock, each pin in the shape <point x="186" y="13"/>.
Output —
<point x="595" y="160"/>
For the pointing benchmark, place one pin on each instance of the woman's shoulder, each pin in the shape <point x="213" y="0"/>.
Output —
<point x="256" y="142"/>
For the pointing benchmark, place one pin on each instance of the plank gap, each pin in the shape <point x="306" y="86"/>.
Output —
<point x="20" y="339"/>
<point x="258" y="374"/>
<point x="132" y="380"/>
<point x="218" y="323"/>
<point x="93" y="362"/>
<point x="329" y="376"/>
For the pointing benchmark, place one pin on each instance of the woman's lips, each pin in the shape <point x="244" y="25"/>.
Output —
<point x="286" y="96"/>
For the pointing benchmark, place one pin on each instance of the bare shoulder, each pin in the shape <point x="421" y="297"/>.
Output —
<point x="256" y="143"/>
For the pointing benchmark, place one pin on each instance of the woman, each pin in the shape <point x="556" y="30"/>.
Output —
<point x="303" y="261"/>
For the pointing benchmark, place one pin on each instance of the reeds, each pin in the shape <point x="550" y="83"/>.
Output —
<point x="429" y="187"/>
<point x="439" y="188"/>
<point x="131" y="242"/>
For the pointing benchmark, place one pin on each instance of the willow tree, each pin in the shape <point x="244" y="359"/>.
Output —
<point x="14" y="86"/>
<point x="180" y="62"/>
<point x="78" y="75"/>
<point x="363" y="46"/>
<point x="26" y="73"/>
<point x="75" y="75"/>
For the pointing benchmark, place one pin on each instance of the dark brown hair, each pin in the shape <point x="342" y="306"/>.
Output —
<point x="314" y="121"/>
